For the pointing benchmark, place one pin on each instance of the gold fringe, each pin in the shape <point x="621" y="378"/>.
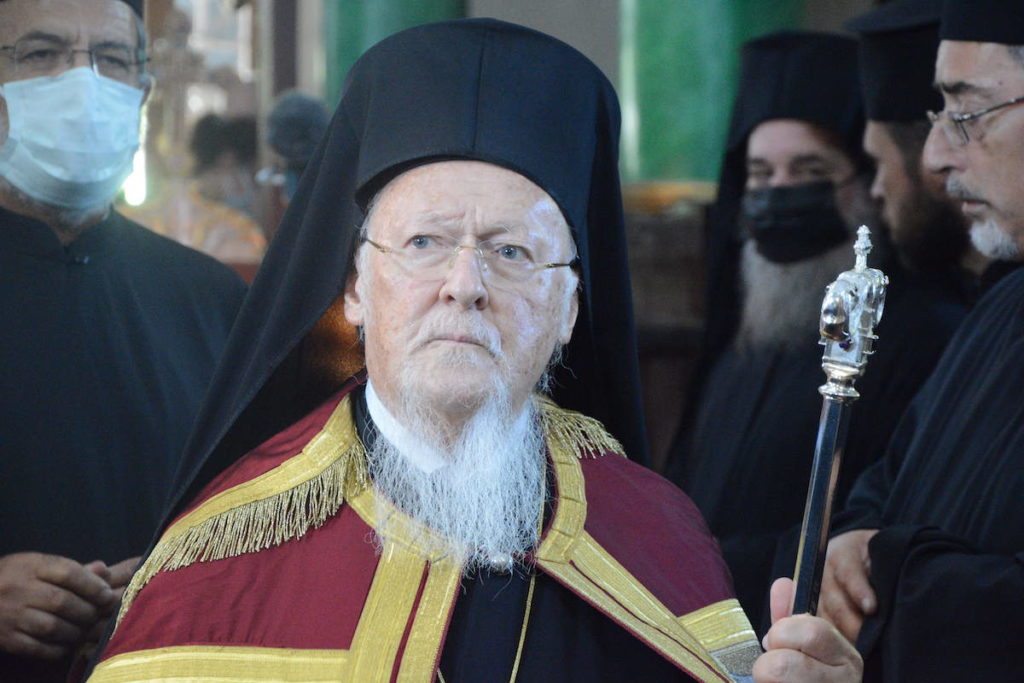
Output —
<point x="574" y="432"/>
<point x="259" y="524"/>
<point x="288" y="515"/>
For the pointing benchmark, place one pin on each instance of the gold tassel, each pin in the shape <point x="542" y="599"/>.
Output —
<point x="259" y="524"/>
<point x="289" y="514"/>
<point x="573" y="432"/>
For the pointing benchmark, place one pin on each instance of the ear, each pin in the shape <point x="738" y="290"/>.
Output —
<point x="565" y="334"/>
<point x="354" y="311"/>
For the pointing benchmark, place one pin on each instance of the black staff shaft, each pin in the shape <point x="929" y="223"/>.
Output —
<point x="828" y="453"/>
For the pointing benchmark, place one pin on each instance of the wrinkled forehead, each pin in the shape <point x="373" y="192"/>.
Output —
<point x="461" y="197"/>
<point x="85" y="21"/>
<point x="965" y="68"/>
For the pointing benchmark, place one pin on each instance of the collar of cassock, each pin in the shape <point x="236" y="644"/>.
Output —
<point x="425" y="458"/>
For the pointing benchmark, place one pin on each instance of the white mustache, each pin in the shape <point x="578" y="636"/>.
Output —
<point x="465" y="328"/>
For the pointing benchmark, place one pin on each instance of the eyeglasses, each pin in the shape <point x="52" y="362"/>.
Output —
<point x="958" y="127"/>
<point x="35" y="57"/>
<point x="429" y="257"/>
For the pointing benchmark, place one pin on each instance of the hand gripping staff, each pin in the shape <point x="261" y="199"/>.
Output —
<point x="849" y="313"/>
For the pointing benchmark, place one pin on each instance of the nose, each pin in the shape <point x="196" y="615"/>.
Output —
<point x="939" y="156"/>
<point x="464" y="283"/>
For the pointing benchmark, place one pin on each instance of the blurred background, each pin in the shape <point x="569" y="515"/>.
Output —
<point x="207" y="176"/>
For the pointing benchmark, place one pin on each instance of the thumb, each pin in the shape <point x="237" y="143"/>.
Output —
<point x="781" y="599"/>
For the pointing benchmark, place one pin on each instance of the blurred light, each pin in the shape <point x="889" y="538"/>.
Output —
<point x="135" y="184"/>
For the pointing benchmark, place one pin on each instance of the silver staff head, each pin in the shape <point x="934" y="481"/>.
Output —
<point x="850" y="312"/>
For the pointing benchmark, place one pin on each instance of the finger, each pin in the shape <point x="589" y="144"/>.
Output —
<point x="781" y="598"/>
<point x="812" y="636"/>
<point x="72" y="576"/>
<point x="100" y="569"/>
<point x="853" y="579"/>
<point x="784" y="666"/>
<point x="836" y="607"/>
<point x="49" y="629"/>
<point x="113" y="608"/>
<point x="96" y="632"/>
<point x="62" y="603"/>
<point x="121" y="573"/>
<point x="24" y="645"/>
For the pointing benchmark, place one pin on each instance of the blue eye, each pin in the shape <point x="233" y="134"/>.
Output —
<point x="510" y="252"/>
<point x="422" y="242"/>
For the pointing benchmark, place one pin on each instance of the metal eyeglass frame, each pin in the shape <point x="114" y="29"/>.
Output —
<point x="958" y="120"/>
<point x="459" y="247"/>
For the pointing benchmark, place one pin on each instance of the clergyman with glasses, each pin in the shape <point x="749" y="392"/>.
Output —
<point x="109" y="333"/>
<point x="929" y="579"/>
<point x="463" y="508"/>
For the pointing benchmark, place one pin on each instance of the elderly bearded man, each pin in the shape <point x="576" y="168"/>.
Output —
<point x="437" y="518"/>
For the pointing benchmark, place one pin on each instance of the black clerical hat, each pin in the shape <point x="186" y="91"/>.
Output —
<point x="983" y="21"/>
<point x="898" y="45"/>
<point x="801" y="75"/>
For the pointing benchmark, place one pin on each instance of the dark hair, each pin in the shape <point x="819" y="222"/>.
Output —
<point x="213" y="136"/>
<point x="240" y="137"/>
<point x="207" y="142"/>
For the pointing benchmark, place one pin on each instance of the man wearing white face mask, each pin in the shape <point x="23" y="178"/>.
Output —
<point x="109" y="332"/>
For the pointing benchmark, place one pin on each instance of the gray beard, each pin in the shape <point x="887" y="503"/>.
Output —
<point x="994" y="242"/>
<point x="782" y="301"/>
<point x="483" y="506"/>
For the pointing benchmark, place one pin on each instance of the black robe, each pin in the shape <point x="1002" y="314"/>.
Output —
<point x="948" y="563"/>
<point x="753" y="440"/>
<point x="106" y="348"/>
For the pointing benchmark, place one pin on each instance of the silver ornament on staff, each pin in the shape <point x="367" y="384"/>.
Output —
<point x="851" y="309"/>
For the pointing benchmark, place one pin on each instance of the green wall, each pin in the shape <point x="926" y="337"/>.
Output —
<point x="677" y="79"/>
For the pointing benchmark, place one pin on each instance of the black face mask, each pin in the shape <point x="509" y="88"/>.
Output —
<point x="793" y="223"/>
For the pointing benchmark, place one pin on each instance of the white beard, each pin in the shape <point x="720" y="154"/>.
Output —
<point x="782" y="301"/>
<point x="485" y="503"/>
<point x="994" y="242"/>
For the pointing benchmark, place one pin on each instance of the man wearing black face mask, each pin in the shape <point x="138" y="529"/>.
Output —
<point x="794" y="187"/>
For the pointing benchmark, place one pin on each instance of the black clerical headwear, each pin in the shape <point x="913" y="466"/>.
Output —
<point x="983" y="21"/>
<point x="469" y="89"/>
<point x="898" y="45"/>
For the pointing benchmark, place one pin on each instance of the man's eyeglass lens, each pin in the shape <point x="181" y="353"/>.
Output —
<point x="35" y="58"/>
<point x="961" y="128"/>
<point x="431" y="257"/>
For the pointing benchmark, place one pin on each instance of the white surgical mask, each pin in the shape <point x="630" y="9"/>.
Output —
<point x="71" y="138"/>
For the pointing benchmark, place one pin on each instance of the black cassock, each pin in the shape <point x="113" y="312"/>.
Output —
<point x="948" y="563"/>
<point x="106" y="348"/>
<point x="752" y="443"/>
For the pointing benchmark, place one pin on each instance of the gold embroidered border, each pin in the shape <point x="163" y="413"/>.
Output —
<point x="590" y="573"/>
<point x="219" y="664"/>
<point x="279" y="505"/>
<point x="573" y="556"/>
<point x="431" y="617"/>
<point x="424" y="645"/>
<point x="386" y="614"/>
<point x="721" y="624"/>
